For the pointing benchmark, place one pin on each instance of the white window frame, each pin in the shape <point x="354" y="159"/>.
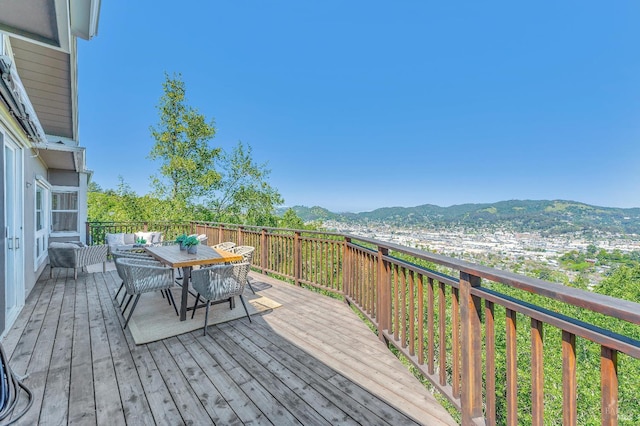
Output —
<point x="41" y="236"/>
<point x="58" y="189"/>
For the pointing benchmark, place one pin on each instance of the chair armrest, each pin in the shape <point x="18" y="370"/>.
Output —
<point x="90" y="254"/>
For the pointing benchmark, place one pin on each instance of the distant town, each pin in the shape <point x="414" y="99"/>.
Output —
<point x="522" y="252"/>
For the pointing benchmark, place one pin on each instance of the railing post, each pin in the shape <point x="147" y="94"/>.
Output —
<point x="87" y="233"/>
<point x="471" y="397"/>
<point x="297" y="258"/>
<point x="220" y="233"/>
<point x="240" y="236"/>
<point x="384" y="294"/>
<point x="346" y="269"/>
<point x="264" y="255"/>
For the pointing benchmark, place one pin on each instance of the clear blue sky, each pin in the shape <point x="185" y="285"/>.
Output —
<point x="357" y="105"/>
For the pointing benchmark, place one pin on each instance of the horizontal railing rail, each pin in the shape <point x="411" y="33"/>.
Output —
<point x="460" y="324"/>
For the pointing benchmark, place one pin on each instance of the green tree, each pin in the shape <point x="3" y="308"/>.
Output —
<point x="187" y="170"/>
<point x="291" y="220"/>
<point x="243" y="195"/>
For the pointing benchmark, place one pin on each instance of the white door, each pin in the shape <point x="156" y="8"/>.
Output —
<point x="13" y="215"/>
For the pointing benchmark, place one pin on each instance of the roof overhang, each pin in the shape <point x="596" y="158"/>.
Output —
<point x="61" y="156"/>
<point x="51" y="23"/>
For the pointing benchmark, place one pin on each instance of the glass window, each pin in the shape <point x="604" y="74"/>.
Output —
<point x="64" y="211"/>
<point x="39" y="212"/>
<point x="41" y="221"/>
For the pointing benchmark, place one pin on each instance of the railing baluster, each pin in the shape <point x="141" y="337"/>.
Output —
<point x="412" y="315"/>
<point x="430" y="327"/>
<point x="512" y="369"/>
<point x="490" y="363"/>
<point x="403" y="308"/>
<point x="569" y="383"/>
<point x="537" y="373"/>
<point x="396" y="302"/>
<point x="609" y="385"/>
<point x="420" y="319"/>
<point x="442" y="334"/>
<point x="455" y="324"/>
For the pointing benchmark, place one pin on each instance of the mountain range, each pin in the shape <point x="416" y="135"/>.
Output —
<point x="546" y="216"/>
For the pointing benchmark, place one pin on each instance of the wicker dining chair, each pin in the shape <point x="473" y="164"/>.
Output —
<point x="219" y="284"/>
<point x="247" y="256"/>
<point x="75" y="255"/>
<point x="224" y="246"/>
<point x="142" y="276"/>
<point x="131" y="255"/>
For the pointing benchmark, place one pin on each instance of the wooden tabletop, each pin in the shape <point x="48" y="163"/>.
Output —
<point x="176" y="258"/>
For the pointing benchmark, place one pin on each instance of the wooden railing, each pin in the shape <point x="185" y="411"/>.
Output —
<point x="96" y="231"/>
<point x="457" y="323"/>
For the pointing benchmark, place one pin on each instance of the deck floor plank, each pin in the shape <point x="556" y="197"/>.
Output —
<point x="307" y="408"/>
<point x="261" y="396"/>
<point x="210" y="397"/>
<point x="56" y="393"/>
<point x="351" y="398"/>
<point x="82" y="406"/>
<point x="36" y="369"/>
<point x="310" y="361"/>
<point x="143" y="392"/>
<point x="242" y="405"/>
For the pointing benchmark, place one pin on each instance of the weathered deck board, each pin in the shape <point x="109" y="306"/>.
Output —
<point x="311" y="361"/>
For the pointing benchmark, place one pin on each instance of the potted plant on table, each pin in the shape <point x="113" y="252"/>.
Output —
<point x="180" y="240"/>
<point x="192" y="244"/>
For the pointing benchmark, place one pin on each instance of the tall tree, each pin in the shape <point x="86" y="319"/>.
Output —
<point x="187" y="170"/>
<point x="243" y="194"/>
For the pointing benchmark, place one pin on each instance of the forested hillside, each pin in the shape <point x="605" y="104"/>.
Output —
<point x="553" y="217"/>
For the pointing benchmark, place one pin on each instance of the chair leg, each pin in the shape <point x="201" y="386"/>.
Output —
<point x="193" y="310"/>
<point x="250" y="286"/>
<point x="172" y="301"/>
<point x="119" y="289"/>
<point x="123" y="299"/>
<point x="50" y="271"/>
<point x="245" y="308"/>
<point x="127" y="304"/>
<point x="132" y="309"/>
<point x="206" y="317"/>
<point x="75" y="273"/>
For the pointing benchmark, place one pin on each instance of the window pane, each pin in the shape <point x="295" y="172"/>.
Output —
<point x="65" y="201"/>
<point x="38" y="209"/>
<point x="64" y="221"/>
<point x="38" y="198"/>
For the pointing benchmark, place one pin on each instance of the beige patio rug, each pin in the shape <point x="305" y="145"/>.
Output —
<point x="154" y="319"/>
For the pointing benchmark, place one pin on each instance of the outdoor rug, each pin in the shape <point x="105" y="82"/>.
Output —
<point x="154" y="319"/>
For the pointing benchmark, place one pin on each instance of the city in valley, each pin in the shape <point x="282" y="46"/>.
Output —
<point x="521" y="252"/>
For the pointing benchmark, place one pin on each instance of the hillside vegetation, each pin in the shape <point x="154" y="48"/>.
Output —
<point x="546" y="216"/>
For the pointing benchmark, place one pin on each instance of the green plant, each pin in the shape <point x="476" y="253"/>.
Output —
<point x="191" y="241"/>
<point x="181" y="238"/>
<point x="141" y="240"/>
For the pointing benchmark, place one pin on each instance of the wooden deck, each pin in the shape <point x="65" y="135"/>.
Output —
<point x="311" y="361"/>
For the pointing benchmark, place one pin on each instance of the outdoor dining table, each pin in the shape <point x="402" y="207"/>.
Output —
<point x="172" y="256"/>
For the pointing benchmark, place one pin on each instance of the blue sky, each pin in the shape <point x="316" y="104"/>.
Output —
<point x="356" y="105"/>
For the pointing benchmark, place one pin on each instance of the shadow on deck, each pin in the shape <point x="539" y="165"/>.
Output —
<point x="311" y="361"/>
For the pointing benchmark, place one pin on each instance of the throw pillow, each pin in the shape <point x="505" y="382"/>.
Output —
<point x="145" y="236"/>
<point x="115" y="239"/>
